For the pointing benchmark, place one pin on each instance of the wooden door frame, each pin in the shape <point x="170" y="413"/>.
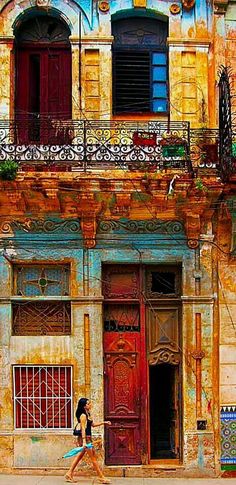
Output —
<point x="144" y="391"/>
<point x="42" y="50"/>
<point x="176" y="303"/>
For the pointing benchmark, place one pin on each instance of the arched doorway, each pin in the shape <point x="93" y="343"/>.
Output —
<point x="43" y="78"/>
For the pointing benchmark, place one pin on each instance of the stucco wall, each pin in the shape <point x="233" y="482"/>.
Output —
<point x="69" y="350"/>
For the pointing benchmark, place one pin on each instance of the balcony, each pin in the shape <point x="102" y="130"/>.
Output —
<point x="78" y="145"/>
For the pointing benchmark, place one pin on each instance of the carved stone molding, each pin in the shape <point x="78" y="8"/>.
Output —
<point x="193" y="229"/>
<point x="198" y="354"/>
<point x="43" y="3"/>
<point x="6" y="228"/>
<point x="47" y="226"/>
<point x="89" y="228"/>
<point x="137" y="227"/>
<point x="122" y="206"/>
<point x="188" y="4"/>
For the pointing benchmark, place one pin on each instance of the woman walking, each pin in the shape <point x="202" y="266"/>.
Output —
<point x="85" y="436"/>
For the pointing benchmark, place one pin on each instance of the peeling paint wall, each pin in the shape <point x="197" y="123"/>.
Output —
<point x="190" y="39"/>
<point x="199" y="42"/>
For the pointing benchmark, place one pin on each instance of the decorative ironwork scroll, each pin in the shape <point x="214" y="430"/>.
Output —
<point x="94" y="144"/>
<point x="43" y="28"/>
<point x="225" y="125"/>
<point x="121" y="318"/>
<point x="41" y="318"/>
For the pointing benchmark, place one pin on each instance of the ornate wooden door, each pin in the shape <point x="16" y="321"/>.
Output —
<point x="122" y="398"/>
<point x="123" y="360"/>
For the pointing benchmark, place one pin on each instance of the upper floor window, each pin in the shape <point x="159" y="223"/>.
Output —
<point x="40" y="303"/>
<point x="140" y="65"/>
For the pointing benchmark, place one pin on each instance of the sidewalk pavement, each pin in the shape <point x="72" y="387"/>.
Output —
<point x="59" y="480"/>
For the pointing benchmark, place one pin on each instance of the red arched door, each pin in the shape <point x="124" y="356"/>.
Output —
<point x="43" y="80"/>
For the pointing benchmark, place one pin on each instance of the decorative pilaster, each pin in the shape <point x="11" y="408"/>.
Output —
<point x="193" y="228"/>
<point x="89" y="228"/>
<point x="87" y="372"/>
<point x="198" y="355"/>
<point x="6" y="87"/>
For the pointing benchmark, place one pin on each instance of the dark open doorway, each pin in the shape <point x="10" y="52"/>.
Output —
<point x="164" y="425"/>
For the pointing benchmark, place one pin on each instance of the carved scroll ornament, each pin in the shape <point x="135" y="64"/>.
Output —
<point x="188" y="4"/>
<point x="164" y="356"/>
<point x="89" y="227"/>
<point x="42" y="3"/>
<point x="193" y="227"/>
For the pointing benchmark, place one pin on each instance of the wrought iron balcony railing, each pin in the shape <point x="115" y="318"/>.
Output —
<point x="83" y="145"/>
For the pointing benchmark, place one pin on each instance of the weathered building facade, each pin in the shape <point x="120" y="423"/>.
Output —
<point x="117" y="222"/>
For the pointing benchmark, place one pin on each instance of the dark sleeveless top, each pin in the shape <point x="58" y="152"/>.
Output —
<point x="88" y="429"/>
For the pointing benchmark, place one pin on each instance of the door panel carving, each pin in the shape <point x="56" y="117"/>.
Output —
<point x="121" y="282"/>
<point x="123" y="443"/>
<point x="163" y="336"/>
<point x="122" y="397"/>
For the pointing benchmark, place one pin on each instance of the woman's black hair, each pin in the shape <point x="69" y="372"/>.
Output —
<point x="80" y="407"/>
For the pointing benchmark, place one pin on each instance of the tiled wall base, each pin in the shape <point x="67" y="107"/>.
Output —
<point x="228" y="435"/>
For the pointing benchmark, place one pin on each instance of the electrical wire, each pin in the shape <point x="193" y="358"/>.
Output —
<point x="161" y="328"/>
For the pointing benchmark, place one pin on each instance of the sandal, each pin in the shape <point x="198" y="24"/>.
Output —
<point x="104" y="480"/>
<point x="70" y="479"/>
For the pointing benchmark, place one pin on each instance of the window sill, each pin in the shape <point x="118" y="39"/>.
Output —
<point x="140" y="116"/>
<point x="40" y="298"/>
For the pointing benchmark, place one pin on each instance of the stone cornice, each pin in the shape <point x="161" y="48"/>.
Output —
<point x="6" y="39"/>
<point x="89" y="205"/>
<point x="198" y="299"/>
<point x="186" y="42"/>
<point x="92" y="40"/>
<point x="73" y="299"/>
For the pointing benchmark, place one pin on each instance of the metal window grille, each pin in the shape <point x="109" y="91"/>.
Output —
<point x="41" y="318"/>
<point x="42" y="397"/>
<point x="37" y="316"/>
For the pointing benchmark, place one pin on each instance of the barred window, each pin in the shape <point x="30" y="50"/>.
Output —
<point x="40" y="303"/>
<point x="43" y="397"/>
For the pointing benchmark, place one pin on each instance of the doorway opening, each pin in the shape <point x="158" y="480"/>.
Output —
<point x="43" y="97"/>
<point x="164" y="427"/>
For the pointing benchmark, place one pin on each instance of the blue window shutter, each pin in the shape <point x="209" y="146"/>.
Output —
<point x="159" y="82"/>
